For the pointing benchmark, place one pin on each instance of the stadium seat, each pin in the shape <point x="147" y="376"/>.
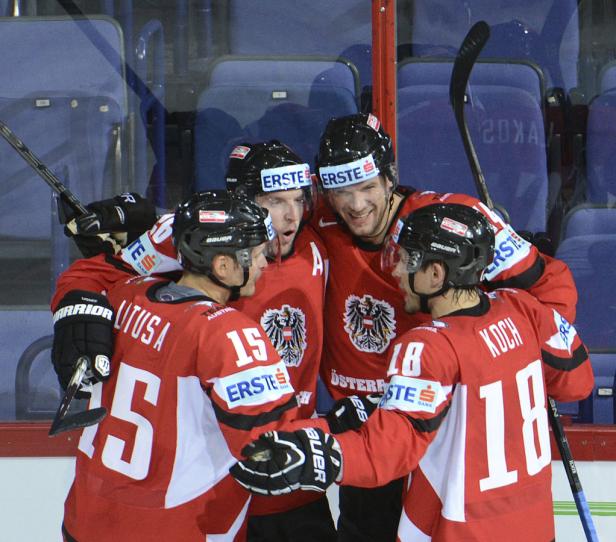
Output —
<point x="258" y="99"/>
<point x="600" y="156"/>
<point x="589" y="219"/>
<point x="547" y="35"/>
<point x="63" y="96"/>
<point x="18" y="330"/>
<point x="506" y="124"/>
<point x="592" y="259"/>
<point x="306" y="27"/>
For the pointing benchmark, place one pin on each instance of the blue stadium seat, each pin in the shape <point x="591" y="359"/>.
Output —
<point x="592" y="259"/>
<point x="75" y="136"/>
<point x="607" y="78"/>
<point x="600" y="156"/>
<point x="305" y="27"/>
<point x="547" y="34"/>
<point x="267" y="98"/>
<point x="506" y="123"/>
<point x="63" y="93"/>
<point x="588" y="219"/>
<point x="18" y="330"/>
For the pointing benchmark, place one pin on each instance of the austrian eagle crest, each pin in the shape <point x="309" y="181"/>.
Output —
<point x="370" y="323"/>
<point x="286" y="329"/>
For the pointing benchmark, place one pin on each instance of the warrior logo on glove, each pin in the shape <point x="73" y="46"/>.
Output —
<point x="83" y="326"/>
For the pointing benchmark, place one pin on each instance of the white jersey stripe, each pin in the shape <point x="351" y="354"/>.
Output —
<point x="448" y="448"/>
<point x="202" y="456"/>
<point x="409" y="532"/>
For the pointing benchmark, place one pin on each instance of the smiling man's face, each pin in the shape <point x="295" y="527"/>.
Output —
<point x="363" y="206"/>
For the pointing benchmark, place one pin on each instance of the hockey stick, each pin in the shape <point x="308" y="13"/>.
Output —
<point x="88" y="417"/>
<point x="61" y="421"/>
<point x="56" y="184"/>
<point x="572" y="475"/>
<point x="471" y="46"/>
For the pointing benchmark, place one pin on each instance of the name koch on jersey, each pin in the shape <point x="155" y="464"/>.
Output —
<point x="255" y="386"/>
<point x="369" y="322"/>
<point x="286" y="329"/>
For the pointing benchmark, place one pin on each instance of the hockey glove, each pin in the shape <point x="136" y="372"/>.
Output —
<point x="279" y="462"/>
<point x="351" y="412"/>
<point x="123" y="218"/>
<point x="83" y="326"/>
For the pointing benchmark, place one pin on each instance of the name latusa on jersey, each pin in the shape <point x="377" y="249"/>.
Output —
<point x="141" y="325"/>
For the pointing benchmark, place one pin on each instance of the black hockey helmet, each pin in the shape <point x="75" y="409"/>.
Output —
<point x="219" y="222"/>
<point x="354" y="149"/>
<point x="456" y="234"/>
<point x="257" y="168"/>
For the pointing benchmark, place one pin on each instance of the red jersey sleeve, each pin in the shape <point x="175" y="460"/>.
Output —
<point x="566" y="365"/>
<point x="153" y="252"/>
<point x="412" y="409"/>
<point x="247" y="383"/>
<point x="96" y="274"/>
<point x="517" y="263"/>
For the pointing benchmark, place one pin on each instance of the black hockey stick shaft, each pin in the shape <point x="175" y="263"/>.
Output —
<point x="470" y="49"/>
<point x="472" y="45"/>
<point x="572" y="474"/>
<point x="61" y="421"/>
<point x="52" y="180"/>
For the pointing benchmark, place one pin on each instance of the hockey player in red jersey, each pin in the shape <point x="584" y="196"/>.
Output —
<point x="364" y="312"/>
<point x="464" y="408"/>
<point x="288" y="303"/>
<point x="190" y="378"/>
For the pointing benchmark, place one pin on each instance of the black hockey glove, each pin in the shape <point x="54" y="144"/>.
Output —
<point x="111" y="223"/>
<point x="279" y="462"/>
<point x="83" y="326"/>
<point x="351" y="412"/>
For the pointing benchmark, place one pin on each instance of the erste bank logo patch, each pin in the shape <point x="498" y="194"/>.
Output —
<point x="412" y="395"/>
<point x="255" y="386"/>
<point x="565" y="334"/>
<point x="141" y="255"/>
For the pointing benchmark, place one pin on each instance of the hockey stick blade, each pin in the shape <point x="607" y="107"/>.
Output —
<point x="79" y="420"/>
<point x="35" y="163"/>
<point x="61" y="421"/>
<point x="470" y="49"/>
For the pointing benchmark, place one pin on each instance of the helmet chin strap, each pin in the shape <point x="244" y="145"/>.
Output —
<point x="235" y="290"/>
<point x="423" y="298"/>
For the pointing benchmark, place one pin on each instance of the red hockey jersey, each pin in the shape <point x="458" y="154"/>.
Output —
<point x="364" y="308"/>
<point x="288" y="303"/>
<point x="465" y="409"/>
<point x="191" y="379"/>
